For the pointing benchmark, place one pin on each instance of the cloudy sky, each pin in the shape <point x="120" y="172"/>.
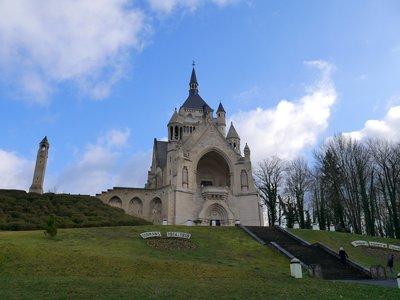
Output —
<point x="102" y="78"/>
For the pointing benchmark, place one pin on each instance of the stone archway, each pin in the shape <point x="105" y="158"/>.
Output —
<point x="156" y="211"/>
<point x="135" y="207"/>
<point x="217" y="213"/>
<point x="213" y="170"/>
<point x="115" y="201"/>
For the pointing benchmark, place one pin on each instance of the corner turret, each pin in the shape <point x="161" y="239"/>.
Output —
<point x="221" y="122"/>
<point x="233" y="139"/>
<point x="175" y="126"/>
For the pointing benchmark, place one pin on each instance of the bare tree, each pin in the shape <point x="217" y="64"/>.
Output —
<point x="298" y="182"/>
<point x="268" y="178"/>
<point x="387" y="161"/>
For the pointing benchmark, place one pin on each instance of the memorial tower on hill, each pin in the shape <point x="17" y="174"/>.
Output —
<point x="198" y="176"/>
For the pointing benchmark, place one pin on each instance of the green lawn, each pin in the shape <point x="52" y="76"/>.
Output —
<point x="116" y="263"/>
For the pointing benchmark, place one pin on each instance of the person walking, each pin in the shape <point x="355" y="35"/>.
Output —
<point x="343" y="256"/>
<point x="389" y="265"/>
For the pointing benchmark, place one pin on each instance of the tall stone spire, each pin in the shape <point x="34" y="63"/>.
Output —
<point x="40" y="167"/>
<point x="193" y="83"/>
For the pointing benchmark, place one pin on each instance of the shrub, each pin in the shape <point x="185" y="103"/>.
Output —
<point x="51" y="228"/>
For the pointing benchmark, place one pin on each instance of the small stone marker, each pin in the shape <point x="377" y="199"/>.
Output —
<point x="398" y="280"/>
<point x="165" y="222"/>
<point x="295" y="268"/>
<point x="189" y="222"/>
<point x="332" y="228"/>
<point x="296" y="225"/>
<point x="150" y="234"/>
<point x="237" y="222"/>
<point x="315" y="226"/>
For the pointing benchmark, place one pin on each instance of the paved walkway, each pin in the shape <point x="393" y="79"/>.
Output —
<point x="388" y="282"/>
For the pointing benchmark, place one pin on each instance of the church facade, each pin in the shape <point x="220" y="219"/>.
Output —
<point x="199" y="176"/>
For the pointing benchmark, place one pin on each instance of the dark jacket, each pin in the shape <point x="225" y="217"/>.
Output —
<point x="390" y="262"/>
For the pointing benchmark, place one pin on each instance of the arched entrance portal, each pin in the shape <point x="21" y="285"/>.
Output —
<point x="213" y="170"/>
<point x="217" y="215"/>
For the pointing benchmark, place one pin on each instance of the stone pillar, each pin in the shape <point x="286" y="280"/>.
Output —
<point x="295" y="268"/>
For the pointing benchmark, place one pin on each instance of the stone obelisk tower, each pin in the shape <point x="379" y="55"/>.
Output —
<point x="40" y="167"/>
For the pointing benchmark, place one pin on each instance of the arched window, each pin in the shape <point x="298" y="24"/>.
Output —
<point x="185" y="177"/>
<point x="176" y="132"/>
<point x="171" y="133"/>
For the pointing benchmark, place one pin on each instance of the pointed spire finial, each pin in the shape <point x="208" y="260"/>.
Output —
<point x="193" y="63"/>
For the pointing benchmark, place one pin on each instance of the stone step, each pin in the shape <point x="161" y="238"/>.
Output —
<point x="308" y="254"/>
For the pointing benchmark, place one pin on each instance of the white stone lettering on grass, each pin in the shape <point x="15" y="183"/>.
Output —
<point x="175" y="234"/>
<point x="359" y="243"/>
<point x="394" y="247"/>
<point x="379" y="245"/>
<point x="150" y="234"/>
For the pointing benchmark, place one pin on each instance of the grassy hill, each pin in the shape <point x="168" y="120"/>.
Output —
<point x="116" y="263"/>
<point x="27" y="211"/>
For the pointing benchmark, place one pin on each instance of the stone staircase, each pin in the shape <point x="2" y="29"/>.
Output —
<point x="309" y="255"/>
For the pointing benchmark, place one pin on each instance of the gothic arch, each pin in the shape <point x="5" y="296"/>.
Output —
<point x="156" y="210"/>
<point x="217" y="212"/>
<point x="214" y="169"/>
<point x="135" y="207"/>
<point x="115" y="201"/>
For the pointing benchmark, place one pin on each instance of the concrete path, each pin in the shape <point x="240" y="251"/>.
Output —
<point x="388" y="282"/>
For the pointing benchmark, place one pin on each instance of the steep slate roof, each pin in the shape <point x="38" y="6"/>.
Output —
<point x="232" y="133"/>
<point x="220" y="108"/>
<point x="193" y="78"/>
<point x="161" y="153"/>
<point x="194" y="100"/>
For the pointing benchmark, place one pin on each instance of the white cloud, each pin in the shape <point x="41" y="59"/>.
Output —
<point x="168" y="6"/>
<point x="87" y="42"/>
<point x="100" y="167"/>
<point x="387" y="128"/>
<point x="134" y="171"/>
<point x="15" y="172"/>
<point x="291" y="126"/>
<point x="96" y="169"/>
<point x="248" y="95"/>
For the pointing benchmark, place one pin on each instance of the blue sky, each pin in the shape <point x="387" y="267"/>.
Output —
<point x="102" y="78"/>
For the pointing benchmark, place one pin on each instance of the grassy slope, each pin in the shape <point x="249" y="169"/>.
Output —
<point x="29" y="211"/>
<point x="115" y="263"/>
<point x="365" y="256"/>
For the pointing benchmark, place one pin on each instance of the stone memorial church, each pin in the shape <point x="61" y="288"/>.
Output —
<point x="199" y="176"/>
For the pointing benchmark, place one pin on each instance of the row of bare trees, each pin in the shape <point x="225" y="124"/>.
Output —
<point x="352" y="185"/>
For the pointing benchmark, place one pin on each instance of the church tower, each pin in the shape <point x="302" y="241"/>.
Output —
<point x="40" y="167"/>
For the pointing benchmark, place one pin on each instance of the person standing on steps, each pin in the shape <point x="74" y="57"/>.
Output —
<point x="389" y="265"/>
<point x="343" y="256"/>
